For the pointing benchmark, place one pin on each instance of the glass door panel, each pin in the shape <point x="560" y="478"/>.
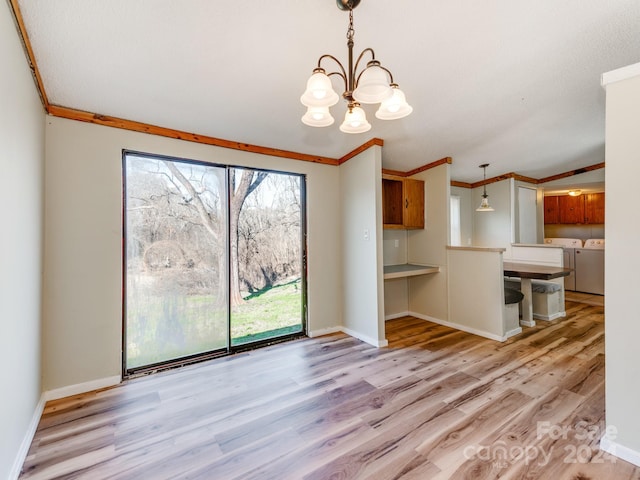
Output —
<point x="267" y="280"/>
<point x="176" y="273"/>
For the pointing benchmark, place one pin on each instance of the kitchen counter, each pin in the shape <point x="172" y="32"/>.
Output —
<point x="408" y="270"/>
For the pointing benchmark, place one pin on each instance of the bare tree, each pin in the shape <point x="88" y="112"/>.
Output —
<point x="240" y="189"/>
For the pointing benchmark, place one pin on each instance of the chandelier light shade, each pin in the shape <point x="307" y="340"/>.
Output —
<point x="394" y="107"/>
<point x="355" y="120"/>
<point x="371" y="84"/>
<point x="319" y="92"/>
<point x="484" y="204"/>
<point x="318" y="117"/>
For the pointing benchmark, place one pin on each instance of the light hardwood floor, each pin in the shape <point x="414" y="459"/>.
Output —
<point x="436" y="404"/>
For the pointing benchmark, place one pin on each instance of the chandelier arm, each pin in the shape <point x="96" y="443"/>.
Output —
<point x="355" y="68"/>
<point x="343" y="74"/>
<point x="387" y="70"/>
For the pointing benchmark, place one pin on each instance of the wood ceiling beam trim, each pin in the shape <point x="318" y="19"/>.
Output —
<point x="395" y="173"/>
<point x="26" y="44"/>
<point x="522" y="178"/>
<point x="456" y="183"/>
<point x="114" y="122"/>
<point x="428" y="166"/>
<point x="360" y="149"/>
<point x="578" y="171"/>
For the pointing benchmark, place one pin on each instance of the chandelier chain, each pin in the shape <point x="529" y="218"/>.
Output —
<point x="350" y="31"/>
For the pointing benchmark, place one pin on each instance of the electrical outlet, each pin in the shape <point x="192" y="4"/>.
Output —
<point x="365" y="234"/>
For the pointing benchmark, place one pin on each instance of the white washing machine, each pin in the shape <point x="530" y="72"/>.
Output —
<point x="569" y="246"/>
<point x="590" y="267"/>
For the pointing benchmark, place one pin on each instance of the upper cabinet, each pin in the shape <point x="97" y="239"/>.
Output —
<point x="551" y="209"/>
<point x="402" y="202"/>
<point x="594" y="208"/>
<point x="588" y="208"/>
<point x="571" y="209"/>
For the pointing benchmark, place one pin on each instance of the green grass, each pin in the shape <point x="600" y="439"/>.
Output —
<point x="160" y="329"/>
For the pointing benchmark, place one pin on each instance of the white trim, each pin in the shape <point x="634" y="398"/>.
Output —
<point x="324" y="331"/>
<point x="14" y="473"/>
<point x="620" y="451"/>
<point x="548" y="318"/>
<point x="464" y="328"/>
<point x="511" y="333"/>
<point x="396" y="315"/>
<point x="365" y="338"/>
<point x="81" y="388"/>
<point x="619" y="74"/>
<point x="526" y="323"/>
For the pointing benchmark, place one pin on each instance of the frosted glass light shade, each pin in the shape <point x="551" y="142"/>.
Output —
<point x="484" y="205"/>
<point x="319" y="92"/>
<point x="373" y="86"/>
<point x="355" y="121"/>
<point x="317" y="117"/>
<point x="394" y="107"/>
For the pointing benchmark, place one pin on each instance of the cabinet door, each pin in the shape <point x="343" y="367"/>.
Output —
<point x="550" y="210"/>
<point x="594" y="208"/>
<point x="571" y="209"/>
<point x="413" y="203"/>
<point x="392" y="203"/>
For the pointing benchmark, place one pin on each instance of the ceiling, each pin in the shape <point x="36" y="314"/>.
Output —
<point x="512" y="83"/>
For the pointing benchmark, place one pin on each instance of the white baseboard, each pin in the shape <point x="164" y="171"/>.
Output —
<point x="81" y="388"/>
<point x="511" y="333"/>
<point x="548" y="318"/>
<point x="26" y="441"/>
<point x="620" y="451"/>
<point x="365" y="338"/>
<point x="351" y="333"/>
<point x="396" y="315"/>
<point x="323" y="331"/>
<point x="464" y="328"/>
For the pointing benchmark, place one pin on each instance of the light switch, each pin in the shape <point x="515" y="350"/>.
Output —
<point x="365" y="234"/>
<point x="396" y="243"/>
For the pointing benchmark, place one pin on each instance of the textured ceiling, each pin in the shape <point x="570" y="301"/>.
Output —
<point x="512" y="83"/>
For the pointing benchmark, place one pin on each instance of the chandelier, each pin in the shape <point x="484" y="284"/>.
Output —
<point x="372" y="84"/>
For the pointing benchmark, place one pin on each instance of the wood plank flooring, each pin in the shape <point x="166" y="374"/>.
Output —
<point x="436" y="404"/>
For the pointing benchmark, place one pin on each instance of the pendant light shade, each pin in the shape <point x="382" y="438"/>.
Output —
<point x="318" y="117"/>
<point x="484" y="204"/>
<point x="319" y="92"/>
<point x="394" y="107"/>
<point x="355" y="120"/>
<point x="373" y="85"/>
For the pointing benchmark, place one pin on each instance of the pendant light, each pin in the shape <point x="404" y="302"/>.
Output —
<point x="484" y="204"/>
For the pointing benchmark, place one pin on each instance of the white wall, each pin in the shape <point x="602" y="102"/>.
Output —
<point x="21" y="163"/>
<point x="428" y="293"/>
<point x="495" y="229"/>
<point x="622" y="264"/>
<point x="362" y="246"/>
<point x="83" y="243"/>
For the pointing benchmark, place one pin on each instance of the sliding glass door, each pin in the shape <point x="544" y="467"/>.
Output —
<point x="213" y="259"/>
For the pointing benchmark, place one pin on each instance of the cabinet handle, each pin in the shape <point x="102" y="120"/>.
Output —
<point x="406" y="203"/>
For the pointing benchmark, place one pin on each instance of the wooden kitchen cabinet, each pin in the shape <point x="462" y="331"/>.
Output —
<point x="551" y="209"/>
<point x="402" y="203"/>
<point x="571" y="209"/>
<point x="594" y="208"/>
<point x="587" y="208"/>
